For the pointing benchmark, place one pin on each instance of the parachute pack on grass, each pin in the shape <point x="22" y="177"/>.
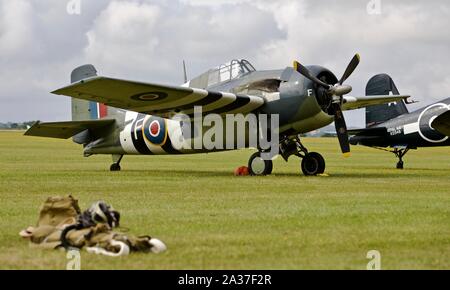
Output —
<point x="61" y="224"/>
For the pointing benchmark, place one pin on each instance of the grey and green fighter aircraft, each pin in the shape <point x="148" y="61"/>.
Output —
<point x="392" y="128"/>
<point x="119" y="117"/>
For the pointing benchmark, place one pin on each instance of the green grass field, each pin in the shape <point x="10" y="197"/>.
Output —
<point x="212" y="220"/>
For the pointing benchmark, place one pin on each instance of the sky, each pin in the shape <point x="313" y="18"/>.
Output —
<point x="42" y="41"/>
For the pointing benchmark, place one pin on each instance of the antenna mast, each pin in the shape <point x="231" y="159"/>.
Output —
<point x="185" y="72"/>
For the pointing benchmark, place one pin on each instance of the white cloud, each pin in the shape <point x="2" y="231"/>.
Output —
<point x="406" y="41"/>
<point x="147" y="40"/>
<point x="215" y="3"/>
<point x="15" y="26"/>
<point x="123" y="35"/>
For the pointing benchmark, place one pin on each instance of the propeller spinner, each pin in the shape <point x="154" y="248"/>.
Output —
<point x="336" y="93"/>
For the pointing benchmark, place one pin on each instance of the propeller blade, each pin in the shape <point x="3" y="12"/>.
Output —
<point x="350" y="68"/>
<point x="341" y="130"/>
<point x="307" y="74"/>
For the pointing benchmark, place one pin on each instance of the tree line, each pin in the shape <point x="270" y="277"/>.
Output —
<point x="16" y="126"/>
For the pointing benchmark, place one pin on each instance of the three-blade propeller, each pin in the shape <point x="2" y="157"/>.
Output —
<point x="336" y="93"/>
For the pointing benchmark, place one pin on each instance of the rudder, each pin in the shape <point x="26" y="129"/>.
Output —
<point x="81" y="109"/>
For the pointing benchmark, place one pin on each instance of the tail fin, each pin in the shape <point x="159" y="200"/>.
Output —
<point x="383" y="84"/>
<point x="81" y="109"/>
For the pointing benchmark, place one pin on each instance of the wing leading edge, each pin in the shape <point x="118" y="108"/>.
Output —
<point x="353" y="103"/>
<point x="442" y="123"/>
<point x="157" y="99"/>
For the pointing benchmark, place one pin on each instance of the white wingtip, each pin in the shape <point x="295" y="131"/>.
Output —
<point x="157" y="246"/>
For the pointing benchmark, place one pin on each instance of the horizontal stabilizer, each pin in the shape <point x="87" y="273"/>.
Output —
<point x="65" y="130"/>
<point x="442" y="123"/>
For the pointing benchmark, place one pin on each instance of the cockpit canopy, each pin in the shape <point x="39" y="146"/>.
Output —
<point x="225" y="72"/>
<point x="229" y="71"/>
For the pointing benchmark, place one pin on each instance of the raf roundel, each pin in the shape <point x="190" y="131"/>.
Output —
<point x="149" y="97"/>
<point x="155" y="130"/>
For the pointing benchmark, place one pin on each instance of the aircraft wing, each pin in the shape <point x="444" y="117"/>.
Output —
<point x="442" y="123"/>
<point x="65" y="130"/>
<point x="375" y="131"/>
<point x="353" y="103"/>
<point x="161" y="100"/>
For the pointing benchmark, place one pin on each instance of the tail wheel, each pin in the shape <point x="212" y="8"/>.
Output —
<point x="115" y="167"/>
<point x="313" y="164"/>
<point x="258" y="166"/>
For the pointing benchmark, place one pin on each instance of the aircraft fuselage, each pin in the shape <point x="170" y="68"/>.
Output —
<point x="287" y="94"/>
<point x="411" y="130"/>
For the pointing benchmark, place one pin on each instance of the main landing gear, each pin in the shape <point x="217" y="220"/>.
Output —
<point x="116" y="165"/>
<point x="400" y="153"/>
<point x="312" y="163"/>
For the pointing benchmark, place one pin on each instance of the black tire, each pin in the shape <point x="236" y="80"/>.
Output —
<point x="321" y="161"/>
<point x="115" y="167"/>
<point x="259" y="166"/>
<point x="313" y="164"/>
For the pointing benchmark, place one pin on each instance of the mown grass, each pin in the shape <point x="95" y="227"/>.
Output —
<point x="213" y="220"/>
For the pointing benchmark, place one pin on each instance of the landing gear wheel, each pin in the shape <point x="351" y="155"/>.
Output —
<point x="115" y="167"/>
<point x="313" y="164"/>
<point x="400" y="153"/>
<point x="321" y="161"/>
<point x="258" y="166"/>
<point x="116" y="162"/>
